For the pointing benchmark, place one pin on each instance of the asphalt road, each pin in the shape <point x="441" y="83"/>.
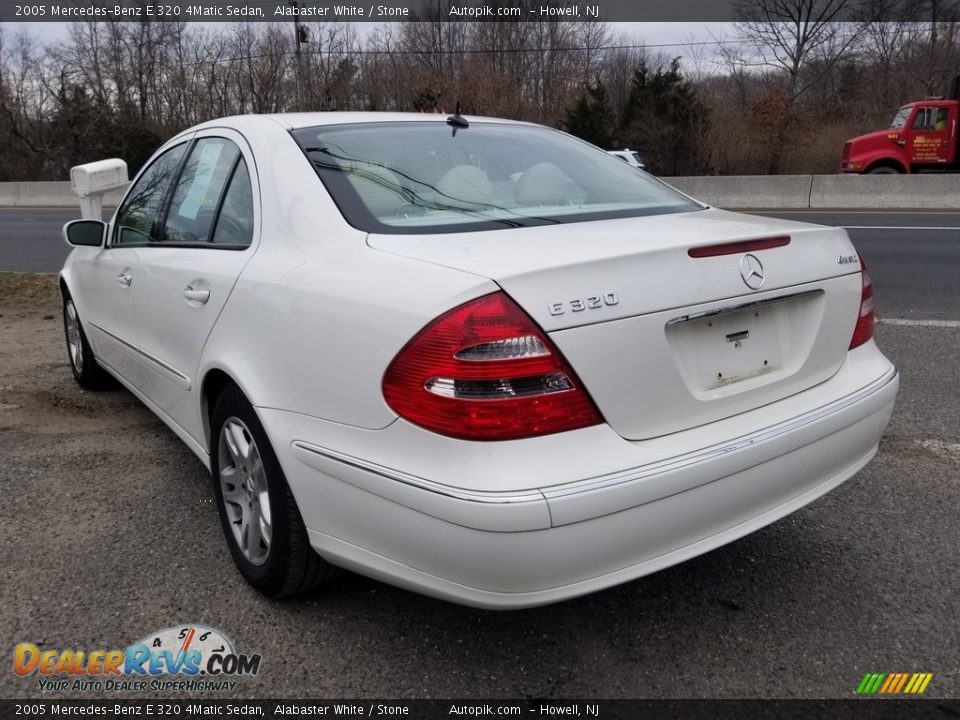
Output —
<point x="913" y="259"/>
<point x="109" y="534"/>
<point x="30" y="239"/>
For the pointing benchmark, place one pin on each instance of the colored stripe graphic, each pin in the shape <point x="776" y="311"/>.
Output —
<point x="890" y="681"/>
<point x="870" y="683"/>
<point x="894" y="683"/>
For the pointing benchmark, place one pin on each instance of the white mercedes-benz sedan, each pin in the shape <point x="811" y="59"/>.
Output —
<point x="475" y="358"/>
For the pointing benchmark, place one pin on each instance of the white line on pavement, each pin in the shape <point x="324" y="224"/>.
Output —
<point x="920" y="323"/>
<point x="896" y="227"/>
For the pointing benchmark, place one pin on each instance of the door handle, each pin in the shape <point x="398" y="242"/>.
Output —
<point x="125" y="279"/>
<point x="200" y="296"/>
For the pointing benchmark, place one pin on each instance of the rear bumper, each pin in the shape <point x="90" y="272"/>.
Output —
<point x="541" y="545"/>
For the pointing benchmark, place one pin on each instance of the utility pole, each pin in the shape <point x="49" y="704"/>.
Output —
<point x="299" y="36"/>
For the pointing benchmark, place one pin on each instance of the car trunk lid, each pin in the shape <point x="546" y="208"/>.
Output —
<point x="664" y="341"/>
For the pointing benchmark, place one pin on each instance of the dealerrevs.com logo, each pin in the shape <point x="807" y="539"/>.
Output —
<point x="183" y="658"/>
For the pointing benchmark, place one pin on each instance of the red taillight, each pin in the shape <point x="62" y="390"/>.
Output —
<point x="864" y="328"/>
<point x="485" y="371"/>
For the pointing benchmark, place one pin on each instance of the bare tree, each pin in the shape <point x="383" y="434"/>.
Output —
<point x="330" y="70"/>
<point x="796" y="83"/>
<point x="798" y="42"/>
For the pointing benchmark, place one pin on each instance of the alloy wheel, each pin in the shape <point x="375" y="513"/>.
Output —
<point x="243" y="482"/>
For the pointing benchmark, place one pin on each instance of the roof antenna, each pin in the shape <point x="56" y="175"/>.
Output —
<point x="457" y="121"/>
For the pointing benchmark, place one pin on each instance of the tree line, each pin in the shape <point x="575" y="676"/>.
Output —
<point x="778" y="94"/>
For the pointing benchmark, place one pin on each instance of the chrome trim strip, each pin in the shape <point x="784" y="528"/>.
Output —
<point x="147" y="355"/>
<point x="744" y="306"/>
<point x="606" y="481"/>
<point x="419" y="482"/>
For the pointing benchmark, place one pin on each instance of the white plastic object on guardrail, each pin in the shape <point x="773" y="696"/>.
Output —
<point x="93" y="180"/>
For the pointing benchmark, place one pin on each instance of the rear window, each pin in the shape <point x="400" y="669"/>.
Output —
<point x="427" y="177"/>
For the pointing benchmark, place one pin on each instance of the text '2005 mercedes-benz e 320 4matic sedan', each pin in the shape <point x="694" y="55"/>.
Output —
<point x="476" y="358"/>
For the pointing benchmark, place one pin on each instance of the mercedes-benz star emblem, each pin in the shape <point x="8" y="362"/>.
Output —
<point x="751" y="270"/>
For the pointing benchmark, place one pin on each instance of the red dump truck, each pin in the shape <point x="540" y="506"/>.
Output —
<point x="921" y="138"/>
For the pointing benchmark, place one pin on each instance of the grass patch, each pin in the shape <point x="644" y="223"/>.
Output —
<point x="20" y="289"/>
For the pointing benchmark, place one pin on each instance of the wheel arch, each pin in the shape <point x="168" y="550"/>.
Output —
<point x="64" y="287"/>
<point x="214" y="381"/>
<point x="66" y="282"/>
<point x="889" y="163"/>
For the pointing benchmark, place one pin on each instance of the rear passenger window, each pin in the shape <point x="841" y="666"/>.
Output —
<point x="196" y="197"/>
<point x="234" y="225"/>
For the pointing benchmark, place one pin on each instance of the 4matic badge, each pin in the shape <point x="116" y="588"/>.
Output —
<point x="188" y="651"/>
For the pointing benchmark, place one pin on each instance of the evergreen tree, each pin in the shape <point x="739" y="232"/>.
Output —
<point x="665" y="121"/>
<point x="591" y="117"/>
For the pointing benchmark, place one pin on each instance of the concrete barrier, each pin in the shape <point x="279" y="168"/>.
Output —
<point x="825" y="192"/>
<point x="47" y="194"/>
<point x="738" y="192"/>
<point x="883" y="192"/>
<point x="9" y="192"/>
<point x="44" y="194"/>
<point x="754" y="192"/>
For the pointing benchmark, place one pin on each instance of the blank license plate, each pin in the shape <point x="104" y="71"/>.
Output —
<point x="728" y="348"/>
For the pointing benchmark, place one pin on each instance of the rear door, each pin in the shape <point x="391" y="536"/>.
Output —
<point x="208" y="233"/>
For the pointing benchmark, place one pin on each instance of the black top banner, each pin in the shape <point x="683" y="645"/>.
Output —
<point x="389" y="10"/>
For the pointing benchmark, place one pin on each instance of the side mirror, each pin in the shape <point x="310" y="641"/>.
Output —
<point x="84" y="233"/>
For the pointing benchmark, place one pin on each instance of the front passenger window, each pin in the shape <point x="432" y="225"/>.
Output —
<point x="137" y="215"/>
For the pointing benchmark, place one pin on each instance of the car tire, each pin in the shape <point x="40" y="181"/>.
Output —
<point x="86" y="370"/>
<point x="883" y="170"/>
<point x="258" y="513"/>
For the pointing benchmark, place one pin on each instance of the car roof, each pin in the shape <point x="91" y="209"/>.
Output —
<point x="294" y="121"/>
<point x="935" y="101"/>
